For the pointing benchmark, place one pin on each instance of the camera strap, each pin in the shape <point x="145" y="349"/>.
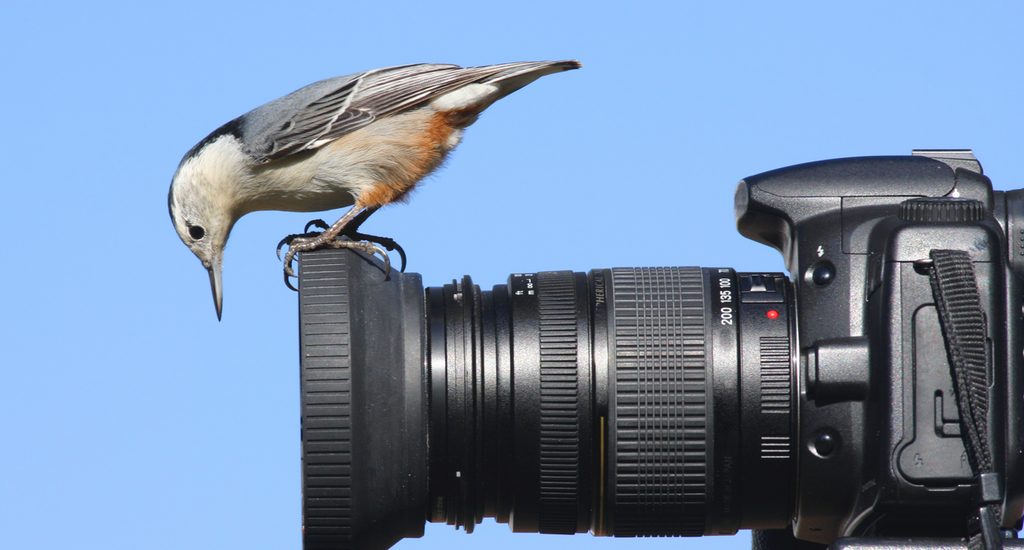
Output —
<point x="958" y="300"/>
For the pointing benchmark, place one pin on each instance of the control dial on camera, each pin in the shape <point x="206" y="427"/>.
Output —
<point x="942" y="210"/>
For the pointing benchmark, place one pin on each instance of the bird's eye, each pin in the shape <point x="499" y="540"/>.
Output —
<point x="196" y="232"/>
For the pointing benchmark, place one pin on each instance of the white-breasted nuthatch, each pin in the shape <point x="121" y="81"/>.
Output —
<point x="362" y="140"/>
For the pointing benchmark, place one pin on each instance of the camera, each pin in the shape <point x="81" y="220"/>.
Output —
<point x="871" y="398"/>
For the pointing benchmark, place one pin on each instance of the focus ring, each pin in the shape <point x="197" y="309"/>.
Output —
<point x="559" y="403"/>
<point x="660" y="418"/>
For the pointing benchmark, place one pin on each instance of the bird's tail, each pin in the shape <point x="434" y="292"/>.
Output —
<point x="512" y="76"/>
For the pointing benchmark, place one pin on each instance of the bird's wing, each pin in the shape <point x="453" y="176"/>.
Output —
<point x="320" y="113"/>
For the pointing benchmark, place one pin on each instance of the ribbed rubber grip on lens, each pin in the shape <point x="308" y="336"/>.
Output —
<point x="326" y="386"/>
<point x="660" y="402"/>
<point x="559" y="406"/>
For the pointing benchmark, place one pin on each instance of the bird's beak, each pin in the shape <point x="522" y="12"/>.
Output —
<point x="215" y="285"/>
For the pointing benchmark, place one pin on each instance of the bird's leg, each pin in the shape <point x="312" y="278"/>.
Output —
<point x="332" y="232"/>
<point x="357" y="221"/>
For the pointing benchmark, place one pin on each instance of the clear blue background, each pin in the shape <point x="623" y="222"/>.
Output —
<point x="130" y="418"/>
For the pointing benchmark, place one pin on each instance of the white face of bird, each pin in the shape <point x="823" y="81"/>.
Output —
<point x="203" y="221"/>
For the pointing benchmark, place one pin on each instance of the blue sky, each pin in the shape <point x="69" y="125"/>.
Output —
<point x="132" y="419"/>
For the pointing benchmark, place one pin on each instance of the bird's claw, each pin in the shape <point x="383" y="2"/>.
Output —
<point x="318" y="223"/>
<point x="289" y="239"/>
<point x="371" y="249"/>
<point x="386" y="242"/>
<point x="401" y="254"/>
<point x="288" y="281"/>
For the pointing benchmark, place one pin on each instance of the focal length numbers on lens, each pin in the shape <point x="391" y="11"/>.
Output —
<point x="725" y="301"/>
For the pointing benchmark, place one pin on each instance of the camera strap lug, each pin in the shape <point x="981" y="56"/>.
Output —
<point x="958" y="301"/>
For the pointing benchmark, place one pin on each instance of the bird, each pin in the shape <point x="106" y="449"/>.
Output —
<point x="363" y="141"/>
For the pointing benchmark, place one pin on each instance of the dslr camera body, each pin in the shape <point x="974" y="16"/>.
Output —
<point x="874" y="398"/>
<point x="880" y="447"/>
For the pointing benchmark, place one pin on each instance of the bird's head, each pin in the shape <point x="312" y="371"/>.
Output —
<point x="203" y="212"/>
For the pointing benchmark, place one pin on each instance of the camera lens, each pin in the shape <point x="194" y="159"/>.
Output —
<point x="624" y="402"/>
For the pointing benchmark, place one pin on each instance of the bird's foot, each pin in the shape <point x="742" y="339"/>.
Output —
<point x="301" y="243"/>
<point x="313" y="240"/>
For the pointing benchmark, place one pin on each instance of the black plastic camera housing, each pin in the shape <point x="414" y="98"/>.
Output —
<point x="818" y="407"/>
<point x="873" y="362"/>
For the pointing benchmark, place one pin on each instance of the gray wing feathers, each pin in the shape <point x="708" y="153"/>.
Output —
<point x="517" y="75"/>
<point x="324" y="111"/>
<point x="320" y="117"/>
<point x="296" y="117"/>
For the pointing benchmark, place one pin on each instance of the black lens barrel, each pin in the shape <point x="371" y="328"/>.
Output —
<point x="626" y="402"/>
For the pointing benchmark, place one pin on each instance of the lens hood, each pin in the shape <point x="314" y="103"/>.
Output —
<point x="364" y="409"/>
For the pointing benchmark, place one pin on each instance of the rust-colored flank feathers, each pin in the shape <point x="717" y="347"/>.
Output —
<point x="430" y="150"/>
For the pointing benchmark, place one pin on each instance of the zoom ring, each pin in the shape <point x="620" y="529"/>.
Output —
<point x="559" y="403"/>
<point x="660" y="418"/>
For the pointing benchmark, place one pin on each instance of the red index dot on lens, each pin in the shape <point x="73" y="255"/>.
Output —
<point x="772" y="314"/>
